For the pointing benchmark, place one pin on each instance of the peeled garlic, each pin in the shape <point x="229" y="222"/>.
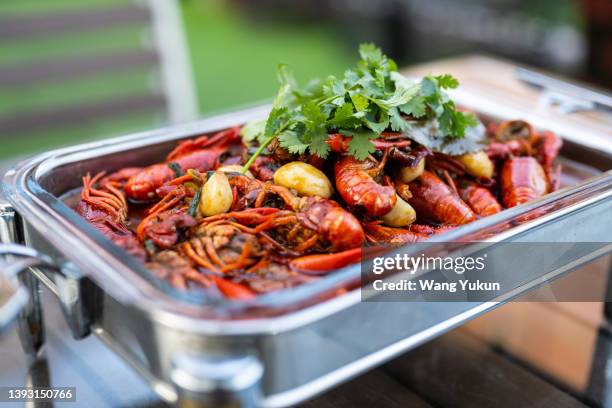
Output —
<point x="304" y="178"/>
<point x="407" y="173"/>
<point x="234" y="168"/>
<point x="401" y="215"/>
<point x="477" y="164"/>
<point x="217" y="195"/>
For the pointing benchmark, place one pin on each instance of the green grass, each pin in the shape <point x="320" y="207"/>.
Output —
<point x="235" y="59"/>
<point x="234" y="63"/>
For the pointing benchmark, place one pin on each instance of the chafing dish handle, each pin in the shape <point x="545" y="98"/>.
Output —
<point x="13" y="295"/>
<point x="67" y="285"/>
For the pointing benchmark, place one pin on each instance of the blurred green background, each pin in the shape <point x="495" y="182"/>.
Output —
<point x="234" y="62"/>
<point x="234" y="47"/>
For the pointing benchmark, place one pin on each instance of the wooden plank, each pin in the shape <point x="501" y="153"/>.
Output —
<point x="17" y="28"/>
<point x="39" y="71"/>
<point x="556" y="338"/>
<point x="28" y="121"/>
<point x="541" y="335"/>
<point x="459" y="370"/>
<point x="374" y="389"/>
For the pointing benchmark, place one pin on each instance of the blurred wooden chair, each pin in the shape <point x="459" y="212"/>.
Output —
<point x="87" y="69"/>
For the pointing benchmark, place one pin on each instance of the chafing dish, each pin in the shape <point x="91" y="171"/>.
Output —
<point x="281" y="348"/>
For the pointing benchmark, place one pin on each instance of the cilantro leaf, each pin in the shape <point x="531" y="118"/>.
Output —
<point x="446" y="123"/>
<point x="429" y="86"/>
<point x="370" y="53"/>
<point x="343" y="116"/>
<point x="253" y="130"/>
<point x="277" y="119"/>
<point x="318" y="144"/>
<point x="361" y="102"/>
<point x="415" y="107"/>
<point x="367" y="100"/>
<point x="312" y="113"/>
<point x="377" y="120"/>
<point x="360" y="145"/>
<point x="334" y="90"/>
<point x="397" y="122"/>
<point x="447" y="81"/>
<point x="289" y="140"/>
<point x="399" y="97"/>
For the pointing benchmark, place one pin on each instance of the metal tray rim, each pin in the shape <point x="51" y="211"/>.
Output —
<point x="16" y="188"/>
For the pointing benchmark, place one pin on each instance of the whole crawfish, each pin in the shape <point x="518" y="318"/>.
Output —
<point x="522" y="180"/>
<point x="298" y="225"/>
<point x="319" y="220"/>
<point x="433" y="199"/>
<point x="479" y="198"/>
<point x="213" y="248"/>
<point x="356" y="183"/>
<point x="246" y="239"/>
<point x="336" y="226"/>
<point x="519" y="138"/>
<point x="106" y="209"/>
<point x="201" y="154"/>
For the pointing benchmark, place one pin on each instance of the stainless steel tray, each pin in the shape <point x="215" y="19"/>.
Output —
<point x="278" y="349"/>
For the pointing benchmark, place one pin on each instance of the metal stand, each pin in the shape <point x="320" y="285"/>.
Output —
<point x="608" y="295"/>
<point x="22" y="290"/>
<point x="221" y="382"/>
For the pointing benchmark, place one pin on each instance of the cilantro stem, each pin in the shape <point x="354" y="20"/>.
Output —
<point x="327" y="100"/>
<point x="263" y="146"/>
<point x="257" y="153"/>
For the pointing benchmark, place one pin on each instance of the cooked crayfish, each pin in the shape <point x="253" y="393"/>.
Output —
<point x="106" y="209"/>
<point x="434" y="200"/>
<point x="356" y="183"/>
<point x="522" y="180"/>
<point x="203" y="223"/>
<point x="201" y="154"/>
<point x="316" y="220"/>
<point x="480" y="199"/>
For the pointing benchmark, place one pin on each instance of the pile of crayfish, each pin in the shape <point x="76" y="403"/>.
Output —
<point x="199" y="219"/>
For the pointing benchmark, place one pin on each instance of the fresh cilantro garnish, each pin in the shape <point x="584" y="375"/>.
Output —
<point x="369" y="99"/>
<point x="251" y="130"/>
<point x="360" y="145"/>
